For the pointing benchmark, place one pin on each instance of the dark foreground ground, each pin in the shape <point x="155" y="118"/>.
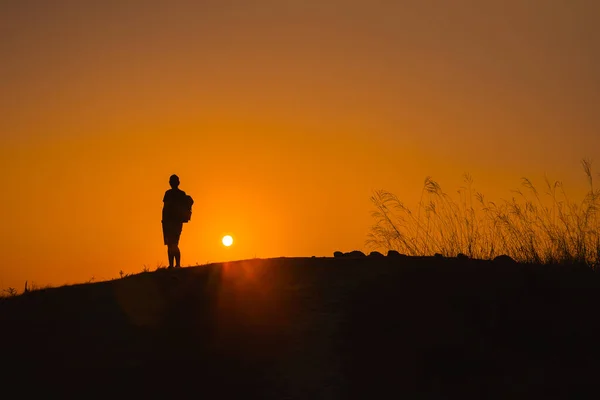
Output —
<point x="313" y="328"/>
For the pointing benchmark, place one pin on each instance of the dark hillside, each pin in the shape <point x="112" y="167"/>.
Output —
<point x="318" y="328"/>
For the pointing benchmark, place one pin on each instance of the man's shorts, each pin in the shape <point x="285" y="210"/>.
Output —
<point x="171" y="232"/>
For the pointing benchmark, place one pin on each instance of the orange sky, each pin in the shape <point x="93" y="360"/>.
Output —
<point x="280" y="117"/>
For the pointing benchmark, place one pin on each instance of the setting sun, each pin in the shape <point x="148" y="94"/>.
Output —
<point x="227" y="240"/>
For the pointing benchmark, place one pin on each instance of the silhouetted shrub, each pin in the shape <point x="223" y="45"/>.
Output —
<point x="355" y="253"/>
<point x="394" y="253"/>
<point x="504" y="259"/>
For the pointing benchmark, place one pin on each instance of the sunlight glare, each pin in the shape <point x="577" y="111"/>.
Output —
<point x="227" y="240"/>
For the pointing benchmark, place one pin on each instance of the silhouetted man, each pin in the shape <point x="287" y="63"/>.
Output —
<point x="176" y="210"/>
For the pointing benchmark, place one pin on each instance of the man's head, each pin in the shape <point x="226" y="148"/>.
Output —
<point x="174" y="181"/>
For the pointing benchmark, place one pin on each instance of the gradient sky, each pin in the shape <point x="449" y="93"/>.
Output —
<point x="280" y="117"/>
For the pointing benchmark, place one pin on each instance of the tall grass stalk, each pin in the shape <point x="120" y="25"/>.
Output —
<point x="530" y="227"/>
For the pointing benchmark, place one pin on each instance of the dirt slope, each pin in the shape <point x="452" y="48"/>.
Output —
<point x="317" y="328"/>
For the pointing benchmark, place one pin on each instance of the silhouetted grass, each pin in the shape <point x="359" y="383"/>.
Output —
<point x="548" y="228"/>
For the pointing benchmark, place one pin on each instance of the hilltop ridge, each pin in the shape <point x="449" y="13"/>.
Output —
<point x="324" y="327"/>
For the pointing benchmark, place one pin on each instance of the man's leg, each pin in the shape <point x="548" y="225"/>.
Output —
<point x="168" y="240"/>
<point x="176" y="252"/>
<point x="177" y="255"/>
<point x="172" y="250"/>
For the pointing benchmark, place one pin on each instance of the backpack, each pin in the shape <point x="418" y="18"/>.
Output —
<point x="185" y="209"/>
